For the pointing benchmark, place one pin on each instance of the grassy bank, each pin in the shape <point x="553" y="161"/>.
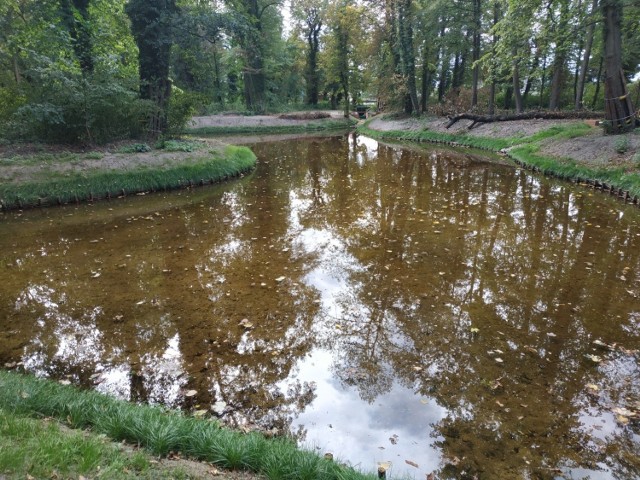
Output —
<point x="526" y="152"/>
<point x="320" y="126"/>
<point x="157" y="430"/>
<point x="76" y="186"/>
<point x="31" y="448"/>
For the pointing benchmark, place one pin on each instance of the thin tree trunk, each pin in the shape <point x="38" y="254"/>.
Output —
<point x="477" y="26"/>
<point x="543" y="80"/>
<point x="559" y="61"/>
<point x="426" y="79"/>
<point x="584" y="66"/>
<point x="517" y="94"/>
<point x="598" y="80"/>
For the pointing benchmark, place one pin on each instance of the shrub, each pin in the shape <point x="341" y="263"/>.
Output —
<point x="182" y="106"/>
<point x="69" y="108"/>
<point x="621" y="144"/>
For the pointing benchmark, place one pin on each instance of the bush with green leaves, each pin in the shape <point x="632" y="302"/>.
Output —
<point x="182" y="106"/>
<point x="621" y="144"/>
<point x="67" y="107"/>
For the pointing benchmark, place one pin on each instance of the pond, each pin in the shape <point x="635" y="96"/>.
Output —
<point x="421" y="309"/>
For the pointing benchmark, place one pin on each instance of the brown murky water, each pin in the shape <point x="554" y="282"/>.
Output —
<point x="382" y="304"/>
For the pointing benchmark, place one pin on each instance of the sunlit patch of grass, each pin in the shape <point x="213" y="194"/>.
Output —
<point x="159" y="431"/>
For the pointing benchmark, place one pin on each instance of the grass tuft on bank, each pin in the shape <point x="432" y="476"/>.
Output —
<point x="94" y="185"/>
<point x="158" y="430"/>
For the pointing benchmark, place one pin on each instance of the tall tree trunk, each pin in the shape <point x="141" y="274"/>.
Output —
<point x="558" y="78"/>
<point x="529" y="83"/>
<point x="619" y="111"/>
<point x="584" y="65"/>
<point x="516" y="82"/>
<point x="598" y="81"/>
<point x="426" y="79"/>
<point x="407" y="56"/>
<point x="442" y="81"/>
<point x="494" y="42"/>
<point x="152" y="33"/>
<point x="543" y="80"/>
<point x="314" y="25"/>
<point x="491" y="110"/>
<point x="253" y="74"/>
<point x="477" y="27"/>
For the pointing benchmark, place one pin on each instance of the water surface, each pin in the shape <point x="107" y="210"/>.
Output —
<point x="383" y="304"/>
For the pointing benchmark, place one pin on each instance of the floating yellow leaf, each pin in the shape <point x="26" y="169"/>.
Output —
<point x="594" y="358"/>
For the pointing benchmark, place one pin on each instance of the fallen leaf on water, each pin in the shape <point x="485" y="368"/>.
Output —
<point x="219" y="407"/>
<point x="245" y="323"/>
<point x="394" y="439"/>
<point x="95" y="274"/>
<point x="499" y="360"/>
<point x="625" y="412"/>
<point x="191" y="393"/>
<point x="622" y="420"/>
<point x="600" y="343"/>
<point x="594" y="358"/>
<point x="499" y="403"/>
<point x="280" y="279"/>
<point x="593" y="387"/>
<point x="413" y="464"/>
<point x="199" y="413"/>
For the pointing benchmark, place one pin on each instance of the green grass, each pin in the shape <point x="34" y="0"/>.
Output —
<point x="568" y="169"/>
<point x="483" y="143"/>
<point x="158" y="430"/>
<point x="42" y="449"/>
<point x="318" y="126"/>
<point x="58" y="189"/>
<point x="525" y="150"/>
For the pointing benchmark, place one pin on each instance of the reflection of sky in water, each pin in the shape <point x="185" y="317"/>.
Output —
<point x="358" y="433"/>
<point x="390" y="328"/>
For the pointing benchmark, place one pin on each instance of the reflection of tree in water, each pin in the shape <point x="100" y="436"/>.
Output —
<point x="427" y="251"/>
<point x="508" y="254"/>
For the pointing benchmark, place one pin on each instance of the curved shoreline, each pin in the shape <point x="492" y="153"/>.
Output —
<point x="619" y="178"/>
<point x="104" y="180"/>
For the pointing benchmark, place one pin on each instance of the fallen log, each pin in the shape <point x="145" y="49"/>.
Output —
<point x="544" y="115"/>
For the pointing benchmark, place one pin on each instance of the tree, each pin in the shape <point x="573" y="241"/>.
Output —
<point x="75" y="14"/>
<point x="619" y="111"/>
<point x="251" y="35"/>
<point x="151" y="28"/>
<point x="311" y="14"/>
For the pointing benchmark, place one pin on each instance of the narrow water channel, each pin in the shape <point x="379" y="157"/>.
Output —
<point x="418" y="308"/>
